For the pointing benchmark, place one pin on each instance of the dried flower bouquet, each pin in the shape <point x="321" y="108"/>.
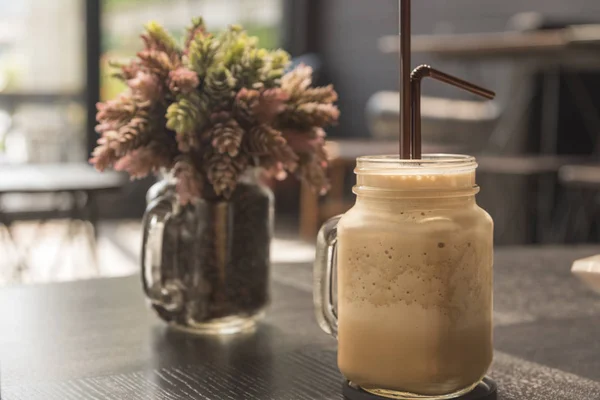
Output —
<point x="212" y="108"/>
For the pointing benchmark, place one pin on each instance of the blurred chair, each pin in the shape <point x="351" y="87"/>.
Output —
<point x="459" y="123"/>
<point x="519" y="193"/>
<point x="580" y="206"/>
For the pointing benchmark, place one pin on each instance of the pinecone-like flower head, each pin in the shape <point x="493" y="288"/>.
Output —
<point x="145" y="86"/>
<point x="183" y="80"/>
<point x="141" y="162"/>
<point x="223" y="171"/>
<point x="156" y="62"/>
<point x="202" y="52"/>
<point x="225" y="134"/>
<point x="262" y="107"/>
<point x="269" y="143"/>
<point x="297" y="80"/>
<point x="198" y="28"/>
<point x="187" y="116"/>
<point x="219" y="87"/>
<point x="127" y="71"/>
<point x="313" y="114"/>
<point x="158" y="39"/>
<point x="246" y="102"/>
<point x="270" y="105"/>
<point x="118" y="110"/>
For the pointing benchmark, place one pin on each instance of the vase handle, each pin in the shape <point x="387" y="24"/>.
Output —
<point x="163" y="293"/>
<point x="325" y="266"/>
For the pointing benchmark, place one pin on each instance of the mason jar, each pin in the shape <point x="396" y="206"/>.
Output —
<point x="412" y="308"/>
<point x="206" y="265"/>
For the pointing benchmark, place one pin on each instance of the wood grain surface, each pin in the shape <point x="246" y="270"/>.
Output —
<point x="98" y="340"/>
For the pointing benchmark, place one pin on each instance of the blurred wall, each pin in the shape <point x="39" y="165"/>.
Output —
<point x="349" y="30"/>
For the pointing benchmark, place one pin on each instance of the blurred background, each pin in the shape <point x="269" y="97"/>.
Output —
<point x="537" y="143"/>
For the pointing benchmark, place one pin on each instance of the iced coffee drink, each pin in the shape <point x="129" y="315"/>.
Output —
<point x="414" y="266"/>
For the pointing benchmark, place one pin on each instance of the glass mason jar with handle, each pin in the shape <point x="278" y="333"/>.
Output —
<point x="205" y="266"/>
<point x="404" y="279"/>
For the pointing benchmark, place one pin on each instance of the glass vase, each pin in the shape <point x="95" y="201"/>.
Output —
<point x="206" y="265"/>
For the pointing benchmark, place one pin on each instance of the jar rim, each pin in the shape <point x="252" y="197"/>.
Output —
<point x="429" y="163"/>
<point x="385" y="175"/>
<point x="427" y="160"/>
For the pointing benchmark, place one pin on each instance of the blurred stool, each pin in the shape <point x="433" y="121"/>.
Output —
<point x="581" y="205"/>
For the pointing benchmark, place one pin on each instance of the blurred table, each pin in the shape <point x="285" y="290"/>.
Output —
<point x="575" y="44"/>
<point x="97" y="340"/>
<point x="80" y="182"/>
<point x="52" y="178"/>
<point x="12" y="99"/>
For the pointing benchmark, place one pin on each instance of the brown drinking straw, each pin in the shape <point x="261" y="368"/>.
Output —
<point x="410" y="95"/>
<point x="405" y="68"/>
<point x="425" y="71"/>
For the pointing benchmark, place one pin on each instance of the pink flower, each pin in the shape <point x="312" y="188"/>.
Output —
<point x="138" y="163"/>
<point x="271" y="103"/>
<point x="183" y="80"/>
<point x="117" y="109"/>
<point x="145" y="85"/>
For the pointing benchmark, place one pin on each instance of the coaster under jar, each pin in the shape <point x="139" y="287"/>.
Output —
<point x="485" y="390"/>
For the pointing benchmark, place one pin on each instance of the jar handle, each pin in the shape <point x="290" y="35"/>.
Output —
<point x="161" y="292"/>
<point x="325" y="266"/>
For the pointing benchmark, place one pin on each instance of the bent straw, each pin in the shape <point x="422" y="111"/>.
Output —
<point x="405" y="68"/>
<point x="410" y="95"/>
<point x="416" y="77"/>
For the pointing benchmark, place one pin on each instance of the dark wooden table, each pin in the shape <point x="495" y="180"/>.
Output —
<point x="97" y="340"/>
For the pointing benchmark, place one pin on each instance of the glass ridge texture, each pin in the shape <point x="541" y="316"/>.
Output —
<point x="206" y="266"/>
<point x="404" y="279"/>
